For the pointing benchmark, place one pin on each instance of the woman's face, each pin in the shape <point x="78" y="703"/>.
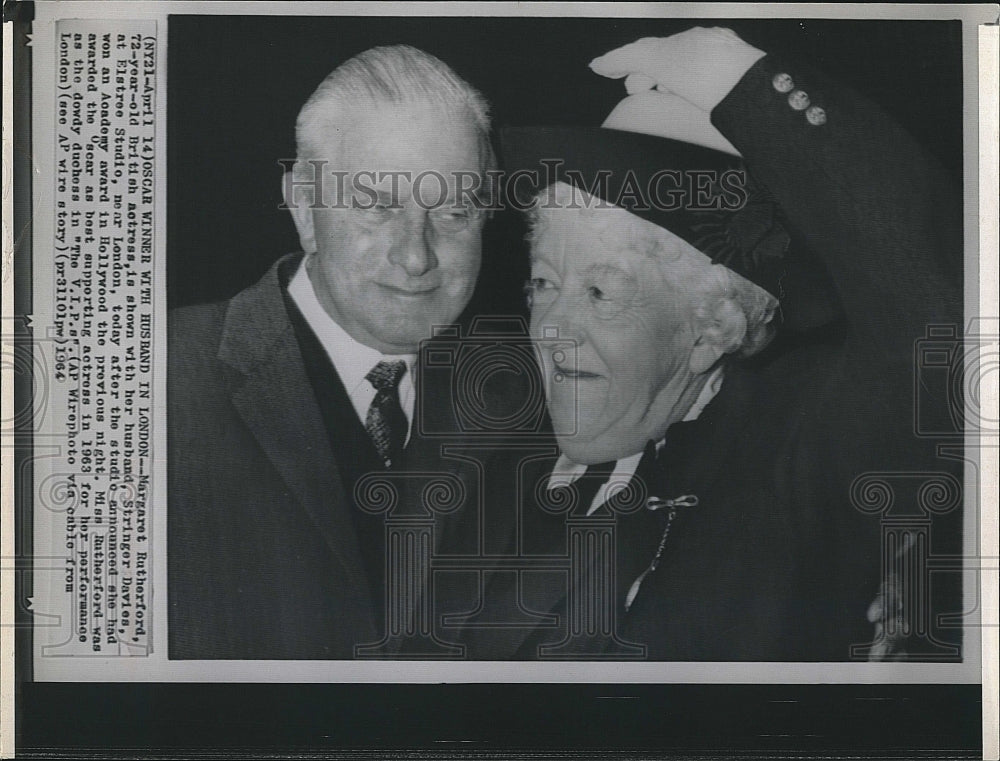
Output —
<point x="613" y="332"/>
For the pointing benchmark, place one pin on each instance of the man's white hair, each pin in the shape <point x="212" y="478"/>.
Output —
<point x="734" y="314"/>
<point x="397" y="74"/>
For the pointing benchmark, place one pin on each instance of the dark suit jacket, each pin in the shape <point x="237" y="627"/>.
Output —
<point x="784" y="553"/>
<point x="264" y="555"/>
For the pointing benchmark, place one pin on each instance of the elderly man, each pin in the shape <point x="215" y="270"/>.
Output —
<point x="284" y="397"/>
<point x="661" y="274"/>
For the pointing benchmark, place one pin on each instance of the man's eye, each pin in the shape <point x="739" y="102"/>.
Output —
<point x="376" y="211"/>
<point x="453" y="219"/>
<point x="451" y="215"/>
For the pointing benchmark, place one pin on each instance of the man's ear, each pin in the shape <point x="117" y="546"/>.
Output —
<point x="302" y="215"/>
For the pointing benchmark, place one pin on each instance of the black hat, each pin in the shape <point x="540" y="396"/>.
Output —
<point x="704" y="196"/>
<point x="701" y="195"/>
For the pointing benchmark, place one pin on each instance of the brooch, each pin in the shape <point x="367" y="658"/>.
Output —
<point x="652" y="504"/>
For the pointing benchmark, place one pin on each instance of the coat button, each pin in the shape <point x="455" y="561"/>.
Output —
<point x="798" y="100"/>
<point x="816" y="116"/>
<point x="782" y="82"/>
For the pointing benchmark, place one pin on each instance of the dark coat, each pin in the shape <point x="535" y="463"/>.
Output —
<point x="781" y="559"/>
<point x="265" y="560"/>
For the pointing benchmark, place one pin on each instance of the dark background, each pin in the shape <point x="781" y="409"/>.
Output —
<point x="236" y="85"/>
<point x="556" y="722"/>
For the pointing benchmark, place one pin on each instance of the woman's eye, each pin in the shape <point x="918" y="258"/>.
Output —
<point x="597" y="294"/>
<point x="607" y="302"/>
<point x="541" y="285"/>
<point x="538" y="289"/>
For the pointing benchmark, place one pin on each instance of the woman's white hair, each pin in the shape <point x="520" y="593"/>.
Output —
<point x="397" y="74"/>
<point x="734" y="314"/>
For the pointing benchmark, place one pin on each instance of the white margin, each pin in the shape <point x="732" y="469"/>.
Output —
<point x="989" y="301"/>
<point x="7" y="574"/>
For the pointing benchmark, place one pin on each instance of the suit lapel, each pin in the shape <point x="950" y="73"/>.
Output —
<point x="275" y="400"/>
<point x="537" y="534"/>
<point x="434" y="429"/>
<point x="423" y="462"/>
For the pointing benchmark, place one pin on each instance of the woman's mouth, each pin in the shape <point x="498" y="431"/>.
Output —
<point x="575" y="374"/>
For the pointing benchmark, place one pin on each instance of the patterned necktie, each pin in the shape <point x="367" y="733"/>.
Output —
<point x="386" y="423"/>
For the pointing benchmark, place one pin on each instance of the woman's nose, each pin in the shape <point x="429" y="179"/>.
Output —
<point x="562" y="321"/>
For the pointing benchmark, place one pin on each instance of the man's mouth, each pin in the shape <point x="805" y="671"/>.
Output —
<point x="409" y="293"/>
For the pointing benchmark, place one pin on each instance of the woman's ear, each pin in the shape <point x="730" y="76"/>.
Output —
<point x="301" y="215"/>
<point x="721" y="331"/>
<point x="703" y="356"/>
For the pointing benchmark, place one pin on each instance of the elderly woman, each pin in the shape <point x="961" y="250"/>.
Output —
<point x="726" y="353"/>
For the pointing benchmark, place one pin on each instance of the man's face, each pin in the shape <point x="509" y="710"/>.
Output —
<point x="390" y="272"/>
<point x="620" y="369"/>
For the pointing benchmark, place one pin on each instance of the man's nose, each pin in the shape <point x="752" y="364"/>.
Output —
<point x="414" y="249"/>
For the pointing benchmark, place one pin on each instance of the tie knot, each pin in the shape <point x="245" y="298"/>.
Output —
<point x="386" y="375"/>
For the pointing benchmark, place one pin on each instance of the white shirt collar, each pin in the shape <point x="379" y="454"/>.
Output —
<point x="565" y="471"/>
<point x="708" y="393"/>
<point x="352" y="359"/>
